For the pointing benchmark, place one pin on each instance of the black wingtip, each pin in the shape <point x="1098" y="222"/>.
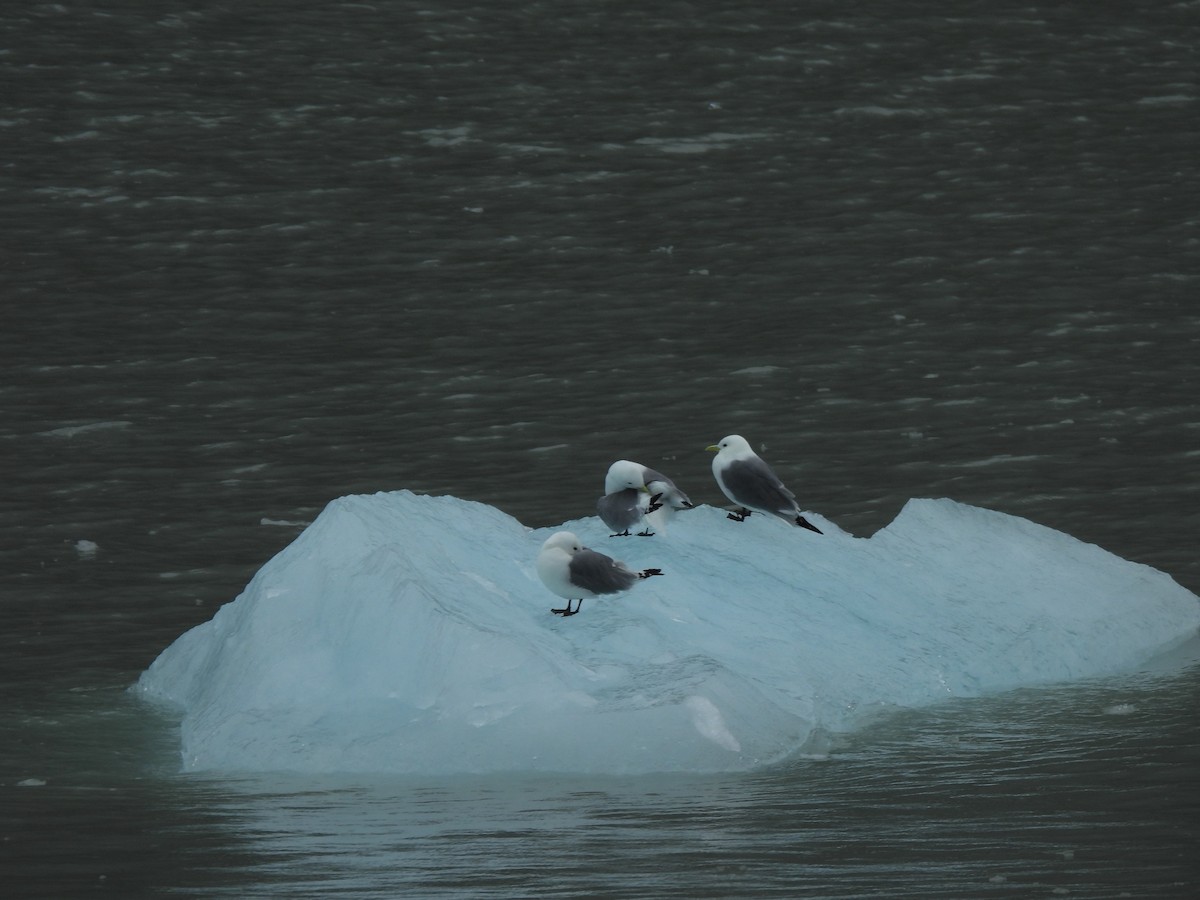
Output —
<point x="804" y="523"/>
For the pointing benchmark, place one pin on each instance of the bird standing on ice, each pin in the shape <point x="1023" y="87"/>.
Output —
<point x="750" y="483"/>
<point x="626" y="499"/>
<point x="574" y="572"/>
<point x="665" y="493"/>
<point x="632" y="492"/>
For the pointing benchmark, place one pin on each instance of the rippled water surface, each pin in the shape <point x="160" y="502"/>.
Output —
<point x="257" y="256"/>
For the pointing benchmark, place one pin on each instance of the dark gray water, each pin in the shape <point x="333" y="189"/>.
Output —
<point x="260" y="255"/>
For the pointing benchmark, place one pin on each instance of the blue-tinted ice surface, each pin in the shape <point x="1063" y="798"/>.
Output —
<point x="407" y="633"/>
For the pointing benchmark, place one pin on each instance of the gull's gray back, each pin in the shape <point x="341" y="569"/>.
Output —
<point x="752" y="483"/>
<point x="600" y="574"/>
<point x="620" y="510"/>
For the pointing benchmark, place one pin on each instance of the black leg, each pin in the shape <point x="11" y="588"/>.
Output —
<point x="624" y="533"/>
<point x="646" y="533"/>
<point x="568" y="611"/>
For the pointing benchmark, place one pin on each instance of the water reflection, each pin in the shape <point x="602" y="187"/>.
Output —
<point x="1057" y="789"/>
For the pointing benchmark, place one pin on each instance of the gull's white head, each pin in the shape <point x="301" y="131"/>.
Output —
<point x="624" y="474"/>
<point x="563" y="540"/>
<point x="733" y="446"/>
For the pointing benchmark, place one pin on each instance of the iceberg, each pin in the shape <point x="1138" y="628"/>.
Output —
<point x="404" y="633"/>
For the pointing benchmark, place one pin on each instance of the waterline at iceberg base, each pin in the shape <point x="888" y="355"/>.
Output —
<point x="410" y="634"/>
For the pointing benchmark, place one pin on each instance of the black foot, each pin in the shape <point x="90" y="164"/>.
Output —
<point x="646" y="533"/>
<point x="645" y="573"/>
<point x="740" y="516"/>
<point x="804" y="523"/>
<point x="624" y="533"/>
<point x="568" y="611"/>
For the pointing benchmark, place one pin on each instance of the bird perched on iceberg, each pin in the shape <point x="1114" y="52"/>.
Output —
<point x="575" y="572"/>
<point x="749" y="482"/>
<point x="632" y="492"/>
<point x="665" y="491"/>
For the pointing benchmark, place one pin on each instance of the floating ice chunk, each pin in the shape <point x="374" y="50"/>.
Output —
<point x="758" y="370"/>
<point x="407" y="633"/>
<point x="70" y="431"/>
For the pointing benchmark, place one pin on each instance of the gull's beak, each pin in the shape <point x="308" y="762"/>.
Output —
<point x="644" y="489"/>
<point x="714" y="448"/>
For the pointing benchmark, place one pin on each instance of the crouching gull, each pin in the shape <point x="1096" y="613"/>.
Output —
<point x="632" y="492"/>
<point x="574" y="572"/>
<point x="750" y="483"/>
